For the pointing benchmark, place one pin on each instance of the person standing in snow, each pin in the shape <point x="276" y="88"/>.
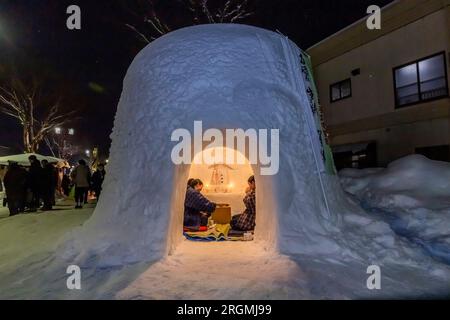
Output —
<point x="35" y="182"/>
<point x="246" y="220"/>
<point x="81" y="177"/>
<point x="15" y="184"/>
<point x="49" y="182"/>
<point x="195" y="204"/>
<point x="97" y="180"/>
<point x="65" y="184"/>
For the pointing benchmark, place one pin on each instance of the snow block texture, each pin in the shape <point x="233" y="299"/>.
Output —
<point x="228" y="76"/>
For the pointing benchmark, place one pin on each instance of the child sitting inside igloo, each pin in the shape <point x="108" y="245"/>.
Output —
<point x="246" y="220"/>
<point x="196" y="205"/>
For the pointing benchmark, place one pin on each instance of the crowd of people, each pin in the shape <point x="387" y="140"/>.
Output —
<point x="35" y="187"/>
<point x="198" y="209"/>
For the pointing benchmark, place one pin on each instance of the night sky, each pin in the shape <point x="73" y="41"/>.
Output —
<point x="87" y="67"/>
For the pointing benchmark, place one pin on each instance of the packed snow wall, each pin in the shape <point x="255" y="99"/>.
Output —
<point x="227" y="76"/>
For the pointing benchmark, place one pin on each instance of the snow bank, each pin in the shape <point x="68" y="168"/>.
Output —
<point x="413" y="194"/>
<point x="409" y="183"/>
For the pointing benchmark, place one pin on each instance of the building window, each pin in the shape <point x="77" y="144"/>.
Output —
<point x="341" y="90"/>
<point x="423" y="80"/>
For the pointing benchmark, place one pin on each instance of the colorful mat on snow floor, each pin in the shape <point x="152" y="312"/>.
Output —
<point x="218" y="233"/>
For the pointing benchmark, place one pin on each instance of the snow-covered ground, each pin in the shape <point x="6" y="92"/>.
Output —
<point x="34" y="236"/>
<point x="412" y="195"/>
<point x="217" y="270"/>
<point x="28" y="240"/>
<point x="252" y="270"/>
<point x="225" y="270"/>
<point x="30" y="267"/>
<point x="248" y="271"/>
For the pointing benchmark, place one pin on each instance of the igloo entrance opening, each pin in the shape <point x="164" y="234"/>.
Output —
<point x="226" y="185"/>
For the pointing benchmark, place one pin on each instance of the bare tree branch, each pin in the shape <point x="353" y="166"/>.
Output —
<point x="231" y="11"/>
<point x="206" y="12"/>
<point x="140" y="34"/>
<point x="20" y="102"/>
<point x="157" y="25"/>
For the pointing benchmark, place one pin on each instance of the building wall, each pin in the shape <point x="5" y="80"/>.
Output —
<point x="398" y="141"/>
<point x="370" y="113"/>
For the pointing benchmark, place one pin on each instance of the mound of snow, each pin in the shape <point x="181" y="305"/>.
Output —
<point x="413" y="194"/>
<point x="409" y="183"/>
<point x="227" y="76"/>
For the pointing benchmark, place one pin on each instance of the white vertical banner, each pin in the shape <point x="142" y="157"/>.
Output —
<point x="300" y="84"/>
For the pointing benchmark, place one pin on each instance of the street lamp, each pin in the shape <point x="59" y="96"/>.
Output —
<point x="59" y="130"/>
<point x="88" y="153"/>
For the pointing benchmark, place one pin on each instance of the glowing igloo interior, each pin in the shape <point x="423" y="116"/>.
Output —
<point x="223" y="183"/>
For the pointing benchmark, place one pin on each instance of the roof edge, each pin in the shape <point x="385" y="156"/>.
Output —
<point x="397" y="14"/>
<point x="357" y="22"/>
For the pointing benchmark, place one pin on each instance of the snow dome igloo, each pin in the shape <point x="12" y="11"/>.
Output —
<point x="226" y="76"/>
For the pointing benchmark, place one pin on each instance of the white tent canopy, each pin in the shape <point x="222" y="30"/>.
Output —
<point x="22" y="159"/>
